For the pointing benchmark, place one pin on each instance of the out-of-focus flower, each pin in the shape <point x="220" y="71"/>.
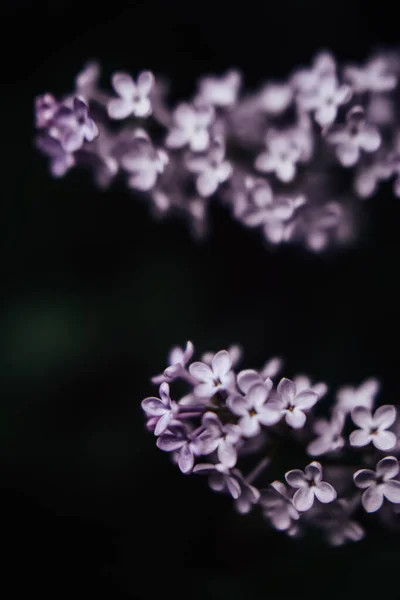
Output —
<point x="337" y="524"/>
<point x="45" y="108"/>
<point x="74" y="125"/>
<point x="60" y="160"/>
<point x="278" y="507"/>
<point x="221" y="478"/>
<point x="133" y="97"/>
<point x="373" y="427"/>
<point x="325" y="99"/>
<point x="303" y="382"/>
<point x="177" y="360"/>
<point x="220" y="91"/>
<point x="211" y="169"/>
<point x="349" y="397"/>
<point x="191" y="127"/>
<point x="379" y="484"/>
<point x="144" y="162"/>
<point x="275" y="98"/>
<point x="374" y="76"/>
<point x="249" y="495"/>
<point x="329" y="433"/>
<point x="284" y="150"/>
<point x="353" y="137"/>
<point x="309" y="485"/>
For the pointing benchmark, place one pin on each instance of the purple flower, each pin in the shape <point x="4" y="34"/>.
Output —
<point x="46" y="107"/>
<point x="364" y="395"/>
<point x="325" y="99"/>
<point x="278" y="507"/>
<point x="374" y="76"/>
<point x="275" y="98"/>
<point x="373" y="428"/>
<point x="222" y="438"/>
<point x="144" y="162"/>
<point x="212" y="378"/>
<point x="368" y="176"/>
<point x="211" y="169"/>
<point x="221" y="478"/>
<point x="303" y="382"/>
<point x="305" y="81"/>
<point x="191" y="127"/>
<point x="253" y="409"/>
<point x="60" y="160"/>
<point x="353" y="137"/>
<point x="249" y="495"/>
<point x="220" y="91"/>
<point x="337" y="524"/>
<point x="292" y="403"/>
<point x="329" y="434"/>
<point x="234" y="351"/>
<point x="163" y="408"/>
<point x="133" y="97"/>
<point x="283" y="151"/>
<point x="74" y="125"/>
<point x="177" y="360"/>
<point x="310" y="485"/>
<point x="186" y="444"/>
<point x="379" y="484"/>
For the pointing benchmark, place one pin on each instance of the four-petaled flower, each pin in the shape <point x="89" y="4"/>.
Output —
<point x="310" y="485"/>
<point x="177" y="359"/>
<point x="214" y="378"/>
<point x="329" y="434"/>
<point x="220" y="91"/>
<point x="221" y="478"/>
<point x="144" y="162"/>
<point x="191" y="127"/>
<point x="253" y="409"/>
<point x="162" y="410"/>
<point x="325" y="99"/>
<point x="211" y="169"/>
<point x="278" y="507"/>
<point x="185" y="443"/>
<point x="292" y="404"/>
<point x="283" y="152"/>
<point x="373" y="428"/>
<point x="379" y="484"/>
<point x="222" y="438"/>
<point x="133" y="97"/>
<point x="353" y="137"/>
<point x="349" y="397"/>
<point x="73" y="125"/>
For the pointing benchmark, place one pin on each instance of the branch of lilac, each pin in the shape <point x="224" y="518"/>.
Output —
<point x="272" y="156"/>
<point x="230" y="417"/>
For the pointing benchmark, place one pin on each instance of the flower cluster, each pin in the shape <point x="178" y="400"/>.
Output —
<point x="271" y="155"/>
<point x="231" y="421"/>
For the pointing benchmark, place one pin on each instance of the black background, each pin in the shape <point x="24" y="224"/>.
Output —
<point x="96" y="291"/>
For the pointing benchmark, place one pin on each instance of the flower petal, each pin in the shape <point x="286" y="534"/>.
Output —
<point x="119" y="108"/>
<point x="313" y="471"/>
<point x="364" y="478"/>
<point x="247" y="378"/>
<point x="295" y="418"/>
<point x="385" y="416"/>
<point x="207" y="183"/>
<point x="303" y="499"/>
<point x="257" y="395"/>
<point x="233" y="487"/>
<point x="221" y="363"/>
<point x="123" y="84"/>
<point x="250" y="425"/>
<point x="162" y="423"/>
<point x="391" y="491"/>
<point x="306" y="399"/>
<point x="325" y="492"/>
<point x="286" y="390"/>
<point x="227" y="454"/>
<point x="201" y="371"/>
<point x="372" y="499"/>
<point x="145" y="82"/>
<point x="384" y="440"/>
<point x="296" y="478"/>
<point x="154" y="407"/>
<point x="359" y="438"/>
<point x="361" y="417"/>
<point x="388" y="467"/>
<point x="186" y="459"/>
<point x="238" y="405"/>
<point x="169" y="442"/>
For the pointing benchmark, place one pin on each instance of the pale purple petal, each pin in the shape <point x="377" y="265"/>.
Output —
<point x="207" y="183"/>
<point x="162" y="423"/>
<point x="306" y="399"/>
<point x="124" y="85"/>
<point x="348" y="154"/>
<point x="361" y="417"/>
<point x="303" y="499"/>
<point x="385" y="416"/>
<point x="201" y="371"/>
<point x="296" y="478"/>
<point x="257" y="395"/>
<point x="145" y="82"/>
<point x="238" y="405"/>
<point x="154" y="407"/>
<point x="177" y="138"/>
<point x="186" y="459"/>
<point x="144" y="180"/>
<point x="250" y="425"/>
<point x="388" y="467"/>
<point x="233" y="487"/>
<point x="221" y="363"/>
<point x="391" y="491"/>
<point x="325" y="492"/>
<point x="142" y="107"/>
<point x="313" y="471"/>
<point x="169" y="442"/>
<point x="200" y="140"/>
<point x="216" y="480"/>
<point x="369" y="139"/>
<point x="247" y="378"/>
<point x="269" y="414"/>
<point x="286" y="390"/>
<point x="227" y="454"/>
<point x="319" y="446"/>
<point x="119" y="108"/>
<point x="372" y="499"/>
<point x="384" y="440"/>
<point x="360" y="438"/>
<point x="364" y="478"/>
<point x="295" y="418"/>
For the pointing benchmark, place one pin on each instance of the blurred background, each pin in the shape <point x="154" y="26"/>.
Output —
<point x="95" y="292"/>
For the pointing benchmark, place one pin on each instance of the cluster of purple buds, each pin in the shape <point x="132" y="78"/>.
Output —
<point x="270" y="155"/>
<point x="230" y="425"/>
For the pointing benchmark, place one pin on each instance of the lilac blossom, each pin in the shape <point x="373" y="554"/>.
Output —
<point x="337" y="524"/>
<point x="325" y="99"/>
<point x="291" y="404"/>
<point x="211" y="169"/>
<point x="330" y="438"/>
<point x="275" y="98"/>
<point x="164" y="408"/>
<point x="283" y="151"/>
<point x="353" y="137"/>
<point x="214" y="378"/>
<point x="249" y="495"/>
<point x="373" y="428"/>
<point x="234" y="351"/>
<point x="349" y="397"/>
<point x="374" y="76"/>
<point x="74" y="125"/>
<point x="144" y="163"/>
<point x="278" y="507"/>
<point x="379" y="484"/>
<point x="191" y="127"/>
<point x="46" y="107"/>
<point x="303" y="382"/>
<point x="253" y="409"/>
<point x="60" y="160"/>
<point x="220" y="91"/>
<point x="309" y="485"/>
<point x="186" y="444"/>
<point x="133" y="97"/>
<point x="219" y="437"/>
<point x="177" y="361"/>
<point x="221" y="478"/>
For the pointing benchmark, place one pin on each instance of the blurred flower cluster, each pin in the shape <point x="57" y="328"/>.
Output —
<point x="235" y="425"/>
<point x="278" y="157"/>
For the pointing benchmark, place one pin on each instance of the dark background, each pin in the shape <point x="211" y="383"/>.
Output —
<point x="95" y="292"/>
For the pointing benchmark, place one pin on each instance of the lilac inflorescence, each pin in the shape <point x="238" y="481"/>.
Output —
<point x="272" y="155"/>
<point x="230" y="425"/>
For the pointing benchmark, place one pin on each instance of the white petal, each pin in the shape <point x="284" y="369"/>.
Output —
<point x="238" y="405"/>
<point x="391" y="491"/>
<point x="303" y="499"/>
<point x="361" y="417"/>
<point x="268" y="415"/>
<point x="296" y="478"/>
<point x="372" y="499"/>
<point x="227" y="454"/>
<point x="201" y="371"/>
<point x="359" y="438"/>
<point x="364" y="478"/>
<point x="313" y="471"/>
<point x="388" y="467"/>
<point x="247" y="378"/>
<point x="286" y="390"/>
<point x="384" y="416"/>
<point x="306" y="399"/>
<point x="145" y="82"/>
<point x="348" y="154"/>
<point x="221" y="363"/>
<point x="144" y="180"/>
<point x="325" y="492"/>
<point x="119" y="108"/>
<point x="124" y="85"/>
<point x="250" y="425"/>
<point x="206" y="183"/>
<point x="176" y="138"/>
<point x="257" y="395"/>
<point x="384" y="440"/>
<point x="295" y="418"/>
<point x="200" y="140"/>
